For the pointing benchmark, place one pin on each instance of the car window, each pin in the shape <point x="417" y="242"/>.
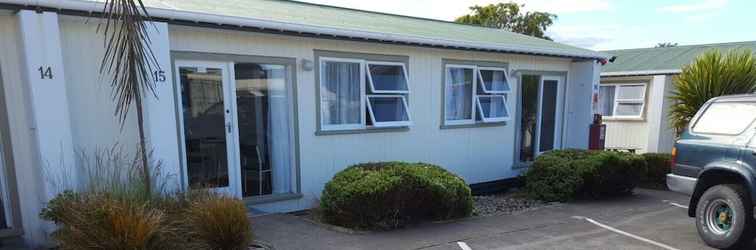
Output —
<point x="726" y="118"/>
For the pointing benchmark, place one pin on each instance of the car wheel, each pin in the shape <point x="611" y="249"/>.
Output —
<point x="724" y="217"/>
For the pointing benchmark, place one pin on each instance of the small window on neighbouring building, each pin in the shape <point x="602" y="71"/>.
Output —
<point x="729" y="118"/>
<point x="622" y="100"/>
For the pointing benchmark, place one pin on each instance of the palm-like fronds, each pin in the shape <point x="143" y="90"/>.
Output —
<point x="128" y="55"/>
<point x="129" y="60"/>
<point x="711" y="75"/>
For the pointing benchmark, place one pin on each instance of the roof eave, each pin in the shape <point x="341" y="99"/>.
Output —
<point x="193" y="17"/>
<point x="641" y="73"/>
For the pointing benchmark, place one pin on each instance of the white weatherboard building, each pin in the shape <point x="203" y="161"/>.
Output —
<point x="635" y="89"/>
<point x="267" y="100"/>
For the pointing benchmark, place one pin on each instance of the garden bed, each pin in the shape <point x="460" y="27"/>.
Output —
<point x="506" y="203"/>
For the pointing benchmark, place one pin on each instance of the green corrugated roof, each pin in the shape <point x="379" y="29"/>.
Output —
<point x="664" y="59"/>
<point x="399" y="28"/>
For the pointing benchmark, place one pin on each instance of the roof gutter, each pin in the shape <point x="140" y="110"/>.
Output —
<point x="178" y="15"/>
<point x="642" y="72"/>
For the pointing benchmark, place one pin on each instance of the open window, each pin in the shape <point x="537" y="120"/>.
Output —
<point x="475" y="94"/>
<point x="357" y="94"/>
<point x="387" y="78"/>
<point x="493" y="80"/>
<point x="492" y="108"/>
<point x="388" y="110"/>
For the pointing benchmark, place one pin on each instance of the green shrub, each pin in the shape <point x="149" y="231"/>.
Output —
<point x="392" y="194"/>
<point x="658" y="167"/>
<point x="551" y="178"/>
<point x="608" y="173"/>
<point x="563" y="175"/>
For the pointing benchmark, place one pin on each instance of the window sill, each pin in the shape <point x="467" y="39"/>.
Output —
<point x="521" y="165"/>
<point x="363" y="131"/>
<point x="271" y="198"/>
<point x="626" y="119"/>
<point x="475" y="125"/>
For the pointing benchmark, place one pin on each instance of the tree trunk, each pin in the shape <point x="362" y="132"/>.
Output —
<point x="147" y="178"/>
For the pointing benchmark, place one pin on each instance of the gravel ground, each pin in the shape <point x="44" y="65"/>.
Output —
<point x="509" y="203"/>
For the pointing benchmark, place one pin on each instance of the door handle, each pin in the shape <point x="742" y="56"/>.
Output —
<point x="228" y="127"/>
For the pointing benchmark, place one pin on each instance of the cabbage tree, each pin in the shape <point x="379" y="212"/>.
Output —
<point x="711" y="75"/>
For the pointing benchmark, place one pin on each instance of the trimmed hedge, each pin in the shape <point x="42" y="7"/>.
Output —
<point x="659" y="165"/>
<point x="388" y="195"/>
<point x="563" y="175"/>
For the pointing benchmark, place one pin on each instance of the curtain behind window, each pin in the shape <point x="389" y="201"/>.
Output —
<point x="606" y="100"/>
<point x="459" y="94"/>
<point x="340" y="93"/>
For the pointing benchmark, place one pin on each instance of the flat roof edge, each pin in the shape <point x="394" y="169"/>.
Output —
<point x="641" y="72"/>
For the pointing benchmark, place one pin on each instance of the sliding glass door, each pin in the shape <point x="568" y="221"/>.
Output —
<point x="540" y="115"/>
<point x="263" y="118"/>
<point x="237" y="126"/>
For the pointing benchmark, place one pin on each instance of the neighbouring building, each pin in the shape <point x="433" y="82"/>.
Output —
<point x="267" y="100"/>
<point x="634" y="91"/>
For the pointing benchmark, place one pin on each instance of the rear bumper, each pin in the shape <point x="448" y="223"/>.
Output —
<point x="681" y="184"/>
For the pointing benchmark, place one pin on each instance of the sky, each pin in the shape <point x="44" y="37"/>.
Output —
<point x="605" y="24"/>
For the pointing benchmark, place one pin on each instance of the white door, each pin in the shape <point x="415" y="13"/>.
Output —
<point x="208" y="138"/>
<point x="549" y="114"/>
<point x="541" y="115"/>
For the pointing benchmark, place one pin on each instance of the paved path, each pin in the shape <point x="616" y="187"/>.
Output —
<point x="647" y="220"/>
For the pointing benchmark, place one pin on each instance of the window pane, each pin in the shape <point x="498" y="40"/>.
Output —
<point x="388" y="109"/>
<point x="494" y="80"/>
<point x="388" y="77"/>
<point x="263" y="113"/>
<point x="459" y="91"/>
<point x="606" y="100"/>
<point x="629" y="109"/>
<point x="631" y="92"/>
<point x="340" y="93"/>
<point x="204" y="127"/>
<point x="548" y="115"/>
<point x="493" y="106"/>
<point x="726" y="118"/>
<point x="528" y="117"/>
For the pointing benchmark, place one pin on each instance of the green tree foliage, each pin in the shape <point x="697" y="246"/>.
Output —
<point x="711" y="75"/>
<point x="509" y="16"/>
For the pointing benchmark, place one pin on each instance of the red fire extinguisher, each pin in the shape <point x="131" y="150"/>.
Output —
<point x="597" y="138"/>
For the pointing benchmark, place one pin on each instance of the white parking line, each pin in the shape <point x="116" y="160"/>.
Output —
<point x="662" y="245"/>
<point x="463" y="245"/>
<point x="675" y="204"/>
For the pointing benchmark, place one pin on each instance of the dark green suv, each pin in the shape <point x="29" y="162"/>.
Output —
<point x="714" y="161"/>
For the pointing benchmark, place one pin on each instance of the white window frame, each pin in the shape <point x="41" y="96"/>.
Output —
<point x="352" y="126"/>
<point x="372" y="85"/>
<point x="408" y="122"/>
<point x="493" y="119"/>
<point x="483" y="85"/>
<point x="476" y="106"/>
<point x="617" y="101"/>
<point x="447" y="83"/>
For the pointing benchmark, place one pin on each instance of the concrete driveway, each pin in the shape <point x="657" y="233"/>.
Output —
<point x="647" y="220"/>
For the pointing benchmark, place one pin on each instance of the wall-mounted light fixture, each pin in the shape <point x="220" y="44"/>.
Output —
<point x="306" y="64"/>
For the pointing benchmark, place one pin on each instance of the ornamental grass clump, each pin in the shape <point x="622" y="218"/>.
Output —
<point x="389" y="195"/>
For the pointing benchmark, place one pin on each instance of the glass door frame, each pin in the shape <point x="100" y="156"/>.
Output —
<point x="559" y="111"/>
<point x="560" y="77"/>
<point x="230" y="121"/>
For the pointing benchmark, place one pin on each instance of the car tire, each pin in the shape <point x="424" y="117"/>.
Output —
<point x="724" y="217"/>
